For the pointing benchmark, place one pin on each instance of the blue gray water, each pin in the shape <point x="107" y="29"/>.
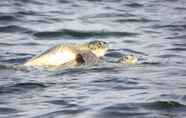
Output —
<point x="153" y="30"/>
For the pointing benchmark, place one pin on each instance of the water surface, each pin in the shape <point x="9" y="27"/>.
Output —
<point x="153" y="30"/>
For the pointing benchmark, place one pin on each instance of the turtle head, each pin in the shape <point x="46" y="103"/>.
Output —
<point x="128" y="59"/>
<point x="99" y="48"/>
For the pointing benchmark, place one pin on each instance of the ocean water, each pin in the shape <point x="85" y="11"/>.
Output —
<point x="153" y="30"/>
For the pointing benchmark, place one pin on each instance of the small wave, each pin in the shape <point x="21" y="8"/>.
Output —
<point x="64" y="1"/>
<point x="169" y="55"/>
<point x="63" y="113"/>
<point x="19" y="13"/>
<point x="95" y="0"/>
<point x="6" y="44"/>
<point x="172" y="27"/>
<point x="134" y="5"/>
<point x="137" y="20"/>
<point x="133" y="51"/>
<point x="62" y="103"/>
<point x="15" y="67"/>
<point x="21" y="87"/>
<point x="181" y="8"/>
<point x="130" y="41"/>
<point x="7" y="62"/>
<point x="162" y="105"/>
<point x="102" y="69"/>
<point x="30" y="1"/>
<point x="152" y="63"/>
<point x="70" y="71"/>
<point x="180" y="44"/>
<point x="113" y="54"/>
<point x="109" y="15"/>
<point x="177" y="37"/>
<point x="126" y="87"/>
<point x="14" y="28"/>
<point x="142" y="110"/>
<point x="5" y="66"/>
<point x="177" y="49"/>
<point x="124" y="110"/>
<point x="84" y="70"/>
<point x="57" y="102"/>
<point x="16" y="44"/>
<point x="6" y="110"/>
<point x="30" y="43"/>
<point x="82" y="34"/>
<point x="8" y="18"/>
<point x="172" y="0"/>
<point x="29" y="85"/>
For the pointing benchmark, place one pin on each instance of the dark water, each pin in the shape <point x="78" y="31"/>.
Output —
<point x="153" y="30"/>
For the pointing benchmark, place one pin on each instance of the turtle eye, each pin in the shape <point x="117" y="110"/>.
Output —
<point x="101" y="43"/>
<point x="98" y="44"/>
<point x="127" y="57"/>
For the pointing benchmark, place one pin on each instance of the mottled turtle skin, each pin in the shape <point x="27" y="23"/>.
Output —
<point x="128" y="59"/>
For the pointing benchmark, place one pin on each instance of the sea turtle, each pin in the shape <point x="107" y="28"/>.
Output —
<point x="70" y="55"/>
<point x="128" y="59"/>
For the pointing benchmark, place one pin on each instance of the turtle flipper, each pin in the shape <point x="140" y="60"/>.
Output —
<point x="88" y="58"/>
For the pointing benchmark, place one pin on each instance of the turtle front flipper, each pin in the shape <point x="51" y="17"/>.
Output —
<point x="88" y="58"/>
<point x="82" y="58"/>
